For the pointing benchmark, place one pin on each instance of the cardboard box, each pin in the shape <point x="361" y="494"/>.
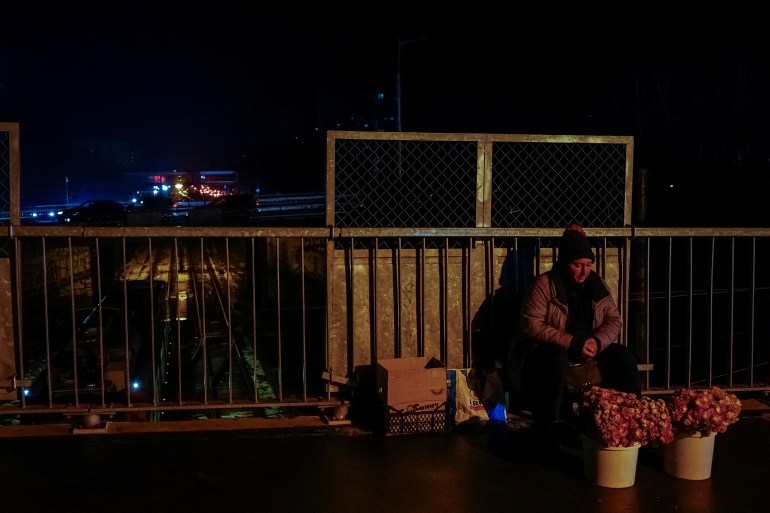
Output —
<point x="413" y="395"/>
<point x="412" y="385"/>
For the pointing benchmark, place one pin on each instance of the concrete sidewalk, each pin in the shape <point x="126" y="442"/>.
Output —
<point x="343" y="469"/>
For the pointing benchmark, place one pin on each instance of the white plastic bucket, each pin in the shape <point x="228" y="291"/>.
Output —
<point x="689" y="456"/>
<point x="611" y="467"/>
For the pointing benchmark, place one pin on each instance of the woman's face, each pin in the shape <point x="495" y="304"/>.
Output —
<point x="579" y="269"/>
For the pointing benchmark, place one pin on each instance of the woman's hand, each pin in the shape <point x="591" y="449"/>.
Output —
<point x="590" y="348"/>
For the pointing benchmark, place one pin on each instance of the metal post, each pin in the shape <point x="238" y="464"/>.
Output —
<point x="401" y="44"/>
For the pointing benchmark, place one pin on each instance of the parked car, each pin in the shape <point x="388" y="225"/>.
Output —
<point x="95" y="212"/>
<point x="232" y="209"/>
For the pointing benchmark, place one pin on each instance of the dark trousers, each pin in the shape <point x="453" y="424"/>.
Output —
<point x="545" y="375"/>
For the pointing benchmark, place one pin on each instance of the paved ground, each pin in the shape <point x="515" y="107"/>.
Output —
<point x="343" y="469"/>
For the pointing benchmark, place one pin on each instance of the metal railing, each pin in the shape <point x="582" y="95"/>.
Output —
<point x="259" y="301"/>
<point x="173" y="322"/>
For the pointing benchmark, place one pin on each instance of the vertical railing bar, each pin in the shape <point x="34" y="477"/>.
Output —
<point x="624" y="274"/>
<point x="397" y="304"/>
<point x="421" y="301"/>
<point x="73" y="328"/>
<point x="491" y="291"/>
<point x="621" y="296"/>
<point x="711" y="315"/>
<point x="625" y="262"/>
<point x="467" y="315"/>
<point x="279" y="331"/>
<point x="229" y="320"/>
<point x="617" y="294"/>
<point x="647" y="287"/>
<point x="444" y="294"/>
<point x="176" y="268"/>
<point x="603" y="251"/>
<point x="255" y="376"/>
<point x="752" y="312"/>
<point x="47" y="328"/>
<point x="207" y="383"/>
<point x="101" y="321"/>
<point x="690" y="298"/>
<point x="538" y="264"/>
<point x="20" y="316"/>
<point x="126" y="348"/>
<point x="731" y="343"/>
<point x="669" y="272"/>
<point x="304" y="320"/>
<point x="329" y="261"/>
<point x="153" y="341"/>
<point x="350" y="306"/>
<point x="373" y="307"/>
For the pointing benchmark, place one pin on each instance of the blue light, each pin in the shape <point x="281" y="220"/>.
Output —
<point x="26" y="392"/>
<point x="497" y="413"/>
<point x="136" y="385"/>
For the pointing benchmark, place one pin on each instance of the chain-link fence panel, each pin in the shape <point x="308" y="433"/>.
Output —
<point x="405" y="183"/>
<point x="394" y="180"/>
<point x="536" y="184"/>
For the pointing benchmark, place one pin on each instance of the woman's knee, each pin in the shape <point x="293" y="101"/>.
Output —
<point x="618" y="354"/>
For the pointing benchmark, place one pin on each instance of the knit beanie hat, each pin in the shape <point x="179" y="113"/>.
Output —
<point x="574" y="245"/>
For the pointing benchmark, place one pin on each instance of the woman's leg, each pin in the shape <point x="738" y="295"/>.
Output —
<point x="545" y="371"/>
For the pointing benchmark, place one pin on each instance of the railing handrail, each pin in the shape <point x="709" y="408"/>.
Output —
<point x="629" y="232"/>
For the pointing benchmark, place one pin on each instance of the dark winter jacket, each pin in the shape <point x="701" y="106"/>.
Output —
<point x="543" y="319"/>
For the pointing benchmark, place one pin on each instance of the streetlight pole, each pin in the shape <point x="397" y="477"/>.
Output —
<point x="67" y="190"/>
<point x="401" y="44"/>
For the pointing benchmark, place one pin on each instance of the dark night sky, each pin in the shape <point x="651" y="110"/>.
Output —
<point x="199" y="89"/>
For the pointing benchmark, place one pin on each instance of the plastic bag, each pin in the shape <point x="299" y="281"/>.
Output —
<point x="463" y="403"/>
